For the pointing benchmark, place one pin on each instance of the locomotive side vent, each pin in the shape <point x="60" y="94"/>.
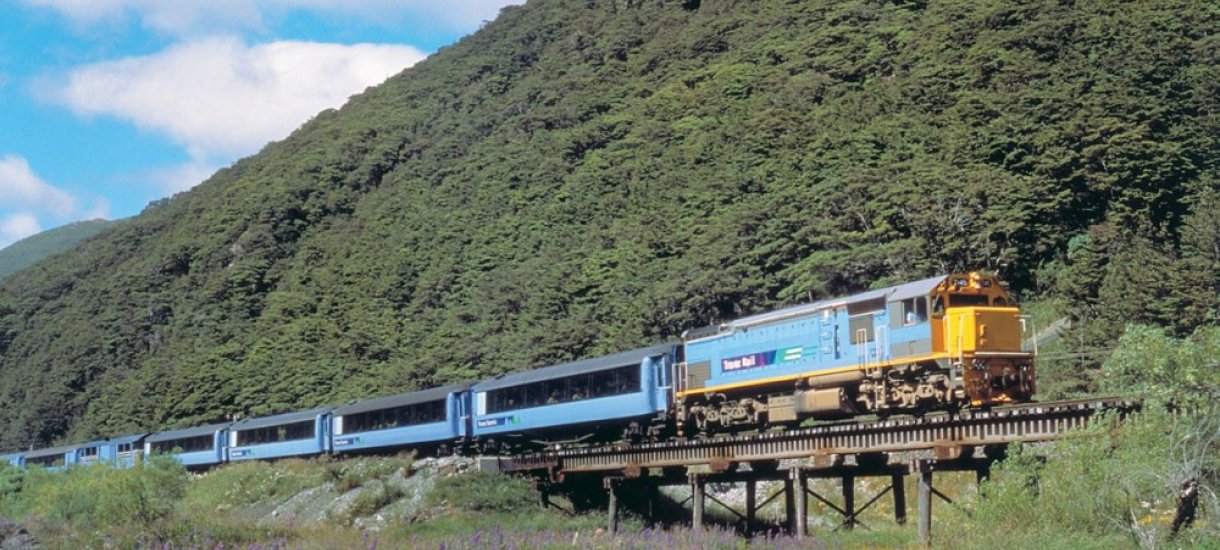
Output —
<point x="697" y="374"/>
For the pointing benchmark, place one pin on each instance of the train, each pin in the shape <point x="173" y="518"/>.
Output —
<point x="943" y="343"/>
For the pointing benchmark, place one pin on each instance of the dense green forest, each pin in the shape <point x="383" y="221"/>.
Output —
<point x="27" y="251"/>
<point x="585" y="175"/>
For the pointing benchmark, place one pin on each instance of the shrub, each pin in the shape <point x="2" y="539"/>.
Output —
<point x="103" y="496"/>
<point x="11" y="478"/>
<point x="482" y="491"/>
<point x="1107" y="486"/>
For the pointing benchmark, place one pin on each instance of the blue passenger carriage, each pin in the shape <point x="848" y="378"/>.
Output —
<point x="302" y="433"/>
<point x="197" y="447"/>
<point x="615" y="395"/>
<point x="426" y="419"/>
<point x="120" y="452"/>
<point x="52" y="458"/>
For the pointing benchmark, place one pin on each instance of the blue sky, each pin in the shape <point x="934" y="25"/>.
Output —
<point x="106" y="105"/>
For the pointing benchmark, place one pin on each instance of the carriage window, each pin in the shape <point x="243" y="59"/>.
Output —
<point x="276" y="434"/>
<point x="554" y="390"/>
<point x="46" y="461"/>
<point x="914" y="311"/>
<point x="88" y="453"/>
<point x="185" y="445"/>
<point x="620" y="381"/>
<point x="396" y="417"/>
<point x="534" y="395"/>
<point x="578" y="387"/>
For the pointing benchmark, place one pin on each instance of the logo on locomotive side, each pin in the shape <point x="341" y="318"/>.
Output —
<point x="755" y="360"/>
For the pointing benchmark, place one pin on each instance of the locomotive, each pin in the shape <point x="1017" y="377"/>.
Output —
<point x="940" y="343"/>
<point x="943" y="343"/>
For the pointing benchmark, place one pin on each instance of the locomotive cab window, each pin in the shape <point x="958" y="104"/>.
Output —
<point x="914" y="311"/>
<point x="967" y="300"/>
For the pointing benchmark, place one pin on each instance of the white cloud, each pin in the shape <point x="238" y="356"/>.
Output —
<point x="219" y="97"/>
<point x="21" y="188"/>
<point x="100" y="210"/>
<point x="17" y="226"/>
<point x="27" y="202"/>
<point x="181" y="177"/>
<point x="196" y="17"/>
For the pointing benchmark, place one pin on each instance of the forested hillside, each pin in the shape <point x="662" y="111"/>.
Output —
<point x="585" y="175"/>
<point x="23" y="253"/>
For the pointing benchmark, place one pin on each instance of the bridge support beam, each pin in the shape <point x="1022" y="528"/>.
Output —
<point x="612" y="487"/>
<point x="697" y="487"/>
<point x="653" y="494"/>
<point x="849" y="501"/>
<point x="751" y="508"/>
<point x="801" y="519"/>
<point x="898" y="485"/>
<point x="789" y="505"/>
<point x="925" y="505"/>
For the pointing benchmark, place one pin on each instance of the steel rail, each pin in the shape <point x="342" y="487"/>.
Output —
<point x="1027" y="422"/>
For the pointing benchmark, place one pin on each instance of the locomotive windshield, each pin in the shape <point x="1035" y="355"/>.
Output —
<point x="967" y="300"/>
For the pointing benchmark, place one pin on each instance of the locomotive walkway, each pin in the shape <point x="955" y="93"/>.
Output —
<point x="893" y="449"/>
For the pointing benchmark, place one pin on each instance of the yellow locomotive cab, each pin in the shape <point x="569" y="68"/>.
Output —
<point x="980" y="331"/>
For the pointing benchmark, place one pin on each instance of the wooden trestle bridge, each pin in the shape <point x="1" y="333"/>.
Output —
<point x="889" y="449"/>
